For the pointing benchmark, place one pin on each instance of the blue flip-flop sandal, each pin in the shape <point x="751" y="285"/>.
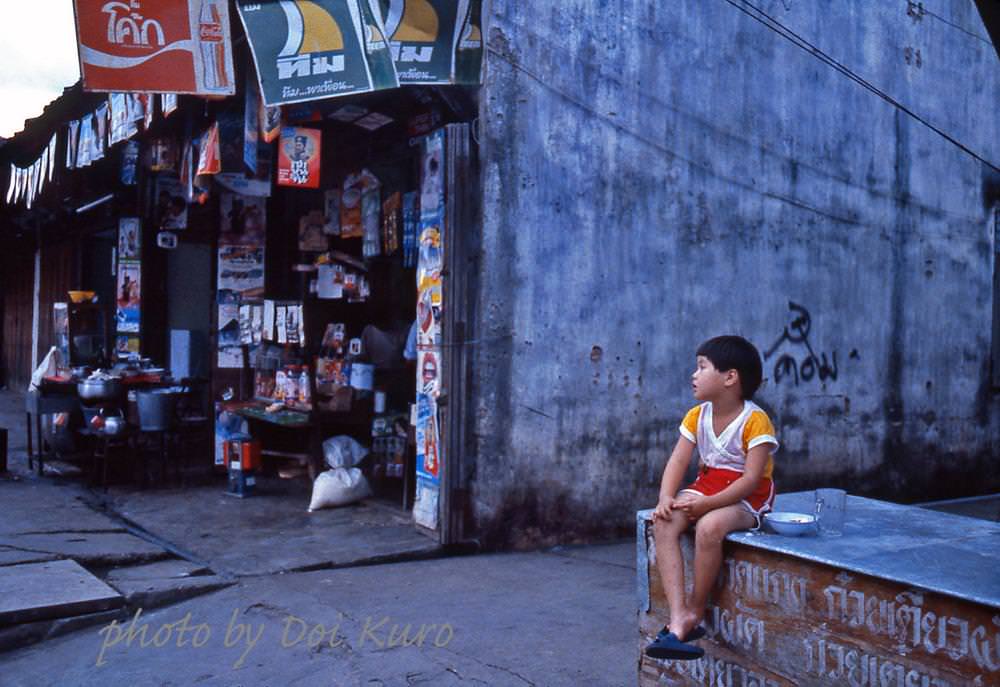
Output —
<point x="667" y="646"/>
<point x="694" y="635"/>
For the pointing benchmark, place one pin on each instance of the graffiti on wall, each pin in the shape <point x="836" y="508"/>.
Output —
<point x="811" y="366"/>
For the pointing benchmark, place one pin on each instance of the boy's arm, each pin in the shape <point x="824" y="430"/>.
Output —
<point x="673" y="473"/>
<point x="696" y="506"/>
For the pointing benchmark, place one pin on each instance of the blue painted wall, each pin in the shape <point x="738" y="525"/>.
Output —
<point x="659" y="173"/>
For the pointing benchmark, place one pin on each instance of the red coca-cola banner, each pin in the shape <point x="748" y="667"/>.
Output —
<point x="166" y="46"/>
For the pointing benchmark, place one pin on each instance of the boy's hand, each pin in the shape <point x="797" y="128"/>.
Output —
<point x="693" y="505"/>
<point x="663" y="509"/>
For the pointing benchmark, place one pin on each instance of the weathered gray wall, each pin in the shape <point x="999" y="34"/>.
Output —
<point x="657" y="173"/>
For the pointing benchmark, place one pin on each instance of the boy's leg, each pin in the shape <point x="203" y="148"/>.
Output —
<point x="710" y="532"/>
<point x="670" y="563"/>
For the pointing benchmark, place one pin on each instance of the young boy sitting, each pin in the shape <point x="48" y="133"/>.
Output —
<point x="735" y="440"/>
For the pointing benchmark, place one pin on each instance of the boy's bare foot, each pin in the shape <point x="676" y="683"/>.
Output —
<point x="682" y="623"/>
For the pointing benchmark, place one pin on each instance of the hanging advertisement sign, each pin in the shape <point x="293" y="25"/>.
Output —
<point x="128" y="296"/>
<point x="469" y="53"/>
<point x="168" y="101"/>
<point x="72" y="142"/>
<point x="130" y="163"/>
<point x="315" y="49"/>
<point x="251" y="125"/>
<point x="231" y="149"/>
<point x="423" y="37"/>
<point x="122" y="126"/>
<point x="209" y="152"/>
<point x="299" y="153"/>
<point x="175" y="46"/>
<point x="270" y="123"/>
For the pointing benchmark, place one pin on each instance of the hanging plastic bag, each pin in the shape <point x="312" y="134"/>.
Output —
<point x="49" y="367"/>
<point x="343" y="452"/>
<point x="338" y="487"/>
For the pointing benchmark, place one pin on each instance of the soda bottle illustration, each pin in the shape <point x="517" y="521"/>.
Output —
<point x="213" y="49"/>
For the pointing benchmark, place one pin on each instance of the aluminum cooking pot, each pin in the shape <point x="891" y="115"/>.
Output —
<point x="114" y="425"/>
<point x="91" y="390"/>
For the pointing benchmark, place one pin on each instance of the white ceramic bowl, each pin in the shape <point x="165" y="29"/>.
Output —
<point x="791" y="524"/>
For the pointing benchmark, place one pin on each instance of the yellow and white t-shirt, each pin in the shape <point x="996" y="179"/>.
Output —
<point x="752" y="427"/>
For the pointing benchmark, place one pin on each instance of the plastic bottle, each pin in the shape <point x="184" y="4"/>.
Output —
<point x="291" y="383"/>
<point x="305" y="392"/>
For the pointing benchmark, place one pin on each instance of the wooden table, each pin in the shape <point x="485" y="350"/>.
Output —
<point x="254" y="411"/>
<point x="907" y="597"/>
<point x="36" y="404"/>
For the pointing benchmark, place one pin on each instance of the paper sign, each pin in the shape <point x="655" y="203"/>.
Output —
<point x="128" y="296"/>
<point x="268" y="321"/>
<point x="128" y="238"/>
<point x="281" y="320"/>
<point x="251" y="125"/>
<point x="299" y="153"/>
<point x="172" y="46"/>
<point x="427" y="438"/>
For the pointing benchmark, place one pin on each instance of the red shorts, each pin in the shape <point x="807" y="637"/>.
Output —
<point x="713" y="480"/>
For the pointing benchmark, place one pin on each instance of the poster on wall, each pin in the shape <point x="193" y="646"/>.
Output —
<point x="425" y="504"/>
<point x="171" y="203"/>
<point x="427" y="438"/>
<point x="429" y="371"/>
<point x="429" y="313"/>
<point x="230" y="352"/>
<point x="424" y="36"/>
<point x="128" y="297"/>
<point x="312" y="238"/>
<point x="126" y="346"/>
<point x="319" y="49"/>
<point x="299" y="156"/>
<point x="241" y="270"/>
<point x="173" y="46"/>
<point x="128" y="238"/>
<point x="432" y="177"/>
<point x="243" y="219"/>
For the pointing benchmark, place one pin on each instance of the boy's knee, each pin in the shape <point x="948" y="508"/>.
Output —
<point x="709" y="533"/>
<point x="667" y="528"/>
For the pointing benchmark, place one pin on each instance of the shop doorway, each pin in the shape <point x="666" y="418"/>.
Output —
<point x="189" y="309"/>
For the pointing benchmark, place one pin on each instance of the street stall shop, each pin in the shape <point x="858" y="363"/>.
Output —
<point x="323" y="162"/>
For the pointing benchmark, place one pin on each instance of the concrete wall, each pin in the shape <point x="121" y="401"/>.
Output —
<point x="659" y="173"/>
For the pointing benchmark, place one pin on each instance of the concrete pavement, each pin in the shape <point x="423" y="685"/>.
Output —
<point x="546" y="618"/>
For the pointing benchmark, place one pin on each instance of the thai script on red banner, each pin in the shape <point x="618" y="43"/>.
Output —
<point x="299" y="157"/>
<point x="168" y="46"/>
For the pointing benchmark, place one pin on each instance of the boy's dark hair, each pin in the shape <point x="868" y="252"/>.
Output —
<point x="735" y="353"/>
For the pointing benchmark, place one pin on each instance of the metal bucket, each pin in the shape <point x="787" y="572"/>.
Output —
<point x="157" y="409"/>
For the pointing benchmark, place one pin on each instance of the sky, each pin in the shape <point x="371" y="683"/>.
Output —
<point x="37" y="65"/>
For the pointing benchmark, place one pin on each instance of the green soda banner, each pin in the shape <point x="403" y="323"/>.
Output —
<point x="469" y="53"/>
<point x="425" y="37"/>
<point x="315" y="49"/>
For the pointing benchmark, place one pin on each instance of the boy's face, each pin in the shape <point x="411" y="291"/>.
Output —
<point x="708" y="383"/>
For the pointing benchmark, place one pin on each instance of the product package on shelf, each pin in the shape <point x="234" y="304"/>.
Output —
<point x="333" y="371"/>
